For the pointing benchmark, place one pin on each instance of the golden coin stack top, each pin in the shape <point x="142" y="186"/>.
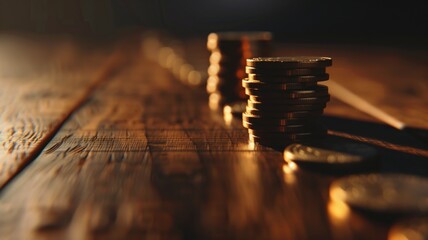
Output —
<point x="229" y="50"/>
<point x="285" y="100"/>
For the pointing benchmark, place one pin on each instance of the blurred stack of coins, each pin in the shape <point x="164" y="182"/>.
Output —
<point x="285" y="100"/>
<point x="229" y="50"/>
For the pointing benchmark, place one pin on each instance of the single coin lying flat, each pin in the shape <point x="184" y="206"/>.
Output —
<point x="386" y="193"/>
<point x="330" y="153"/>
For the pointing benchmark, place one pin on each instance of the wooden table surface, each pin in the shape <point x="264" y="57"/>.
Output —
<point x="102" y="142"/>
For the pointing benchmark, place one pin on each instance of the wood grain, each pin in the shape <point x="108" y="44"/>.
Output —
<point x="119" y="156"/>
<point x="394" y="80"/>
<point x="41" y="84"/>
<point x="145" y="158"/>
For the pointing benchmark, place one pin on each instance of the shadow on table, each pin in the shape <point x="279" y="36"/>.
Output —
<point x="400" y="151"/>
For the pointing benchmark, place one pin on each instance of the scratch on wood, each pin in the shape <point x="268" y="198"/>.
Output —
<point x="58" y="144"/>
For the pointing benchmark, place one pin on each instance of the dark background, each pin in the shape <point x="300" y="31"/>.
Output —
<point x="384" y="22"/>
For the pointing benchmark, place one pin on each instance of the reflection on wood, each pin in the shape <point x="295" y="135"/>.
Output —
<point x="145" y="158"/>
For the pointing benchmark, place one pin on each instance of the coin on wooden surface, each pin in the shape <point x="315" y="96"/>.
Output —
<point x="387" y="193"/>
<point x="330" y="153"/>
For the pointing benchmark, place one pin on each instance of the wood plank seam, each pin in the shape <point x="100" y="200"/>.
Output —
<point x="113" y="63"/>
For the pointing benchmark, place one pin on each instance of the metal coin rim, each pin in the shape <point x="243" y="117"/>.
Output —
<point x="290" y="101"/>
<point x="284" y="107"/>
<point x="286" y="71"/>
<point x="251" y="84"/>
<point x="290" y="62"/>
<point x="281" y="79"/>
<point x="271" y="129"/>
<point x="284" y="114"/>
<point x="317" y="91"/>
<point x="291" y="154"/>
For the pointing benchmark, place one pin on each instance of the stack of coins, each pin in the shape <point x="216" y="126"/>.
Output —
<point x="229" y="50"/>
<point x="285" y="100"/>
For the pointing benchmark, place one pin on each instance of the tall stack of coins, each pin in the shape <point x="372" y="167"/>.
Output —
<point x="285" y="100"/>
<point x="229" y="50"/>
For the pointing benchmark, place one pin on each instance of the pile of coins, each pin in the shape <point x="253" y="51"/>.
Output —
<point x="285" y="100"/>
<point x="229" y="50"/>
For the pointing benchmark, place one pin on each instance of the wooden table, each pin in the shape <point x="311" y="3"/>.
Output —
<point x="102" y="142"/>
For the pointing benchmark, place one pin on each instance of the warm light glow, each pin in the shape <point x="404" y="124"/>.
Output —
<point x="185" y="69"/>
<point x="251" y="145"/>
<point x="150" y="47"/>
<point x="215" y="56"/>
<point x="343" y="94"/>
<point x="213" y="101"/>
<point x="194" y="78"/>
<point x="227" y="115"/>
<point x="213" y="69"/>
<point x="289" y="169"/>
<point x="288" y="157"/>
<point x="169" y="61"/>
<point x="178" y="62"/>
<point x="163" y="55"/>
<point x="337" y="194"/>
<point x="245" y="207"/>
<point x="227" y="110"/>
<point x="290" y="179"/>
<point x="212" y="83"/>
<point x="338" y="210"/>
<point x="401" y="236"/>
<point x="411" y="229"/>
